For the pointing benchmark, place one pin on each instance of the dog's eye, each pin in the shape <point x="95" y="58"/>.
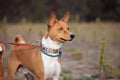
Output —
<point x="67" y="28"/>
<point x="60" y="28"/>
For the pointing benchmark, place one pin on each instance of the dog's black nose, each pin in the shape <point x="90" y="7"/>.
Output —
<point x="72" y="36"/>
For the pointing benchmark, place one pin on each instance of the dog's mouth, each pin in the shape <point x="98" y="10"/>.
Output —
<point x="65" y="39"/>
<point x="71" y="38"/>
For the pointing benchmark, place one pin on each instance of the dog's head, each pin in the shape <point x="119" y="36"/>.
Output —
<point x="58" y="30"/>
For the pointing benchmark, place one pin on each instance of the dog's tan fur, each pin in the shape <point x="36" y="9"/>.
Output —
<point x="30" y="57"/>
<point x="1" y="64"/>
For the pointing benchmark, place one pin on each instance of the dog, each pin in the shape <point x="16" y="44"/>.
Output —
<point x="2" y="51"/>
<point x="44" y="61"/>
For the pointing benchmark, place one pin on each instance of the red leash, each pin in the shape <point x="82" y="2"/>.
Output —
<point x="17" y="44"/>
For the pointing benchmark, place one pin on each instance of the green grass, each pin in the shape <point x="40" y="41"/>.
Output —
<point x="65" y="74"/>
<point x="83" y="77"/>
<point x="102" y="57"/>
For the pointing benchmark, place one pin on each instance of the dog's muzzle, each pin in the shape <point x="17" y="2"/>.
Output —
<point x="71" y="37"/>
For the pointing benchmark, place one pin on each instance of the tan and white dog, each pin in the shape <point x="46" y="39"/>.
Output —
<point x="2" y="51"/>
<point x="43" y="61"/>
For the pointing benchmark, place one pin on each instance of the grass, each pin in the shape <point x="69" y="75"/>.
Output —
<point x="102" y="57"/>
<point x="65" y="74"/>
<point x="83" y="77"/>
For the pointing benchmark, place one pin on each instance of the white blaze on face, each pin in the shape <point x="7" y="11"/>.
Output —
<point x="0" y="48"/>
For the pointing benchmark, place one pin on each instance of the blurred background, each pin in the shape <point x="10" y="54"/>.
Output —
<point x="38" y="10"/>
<point x="94" y="54"/>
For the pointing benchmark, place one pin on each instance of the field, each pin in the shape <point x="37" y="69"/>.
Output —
<point x="93" y="54"/>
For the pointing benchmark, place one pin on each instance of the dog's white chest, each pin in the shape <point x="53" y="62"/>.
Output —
<point x="51" y="66"/>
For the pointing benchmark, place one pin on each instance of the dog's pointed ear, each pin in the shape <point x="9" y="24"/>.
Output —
<point x="66" y="17"/>
<point x="52" y="19"/>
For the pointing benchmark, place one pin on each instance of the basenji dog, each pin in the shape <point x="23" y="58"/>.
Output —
<point x="2" y="51"/>
<point x="42" y="61"/>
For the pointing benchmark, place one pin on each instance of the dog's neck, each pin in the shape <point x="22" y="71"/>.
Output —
<point x="49" y="43"/>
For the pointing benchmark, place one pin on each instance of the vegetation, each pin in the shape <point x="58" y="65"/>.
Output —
<point x="65" y="75"/>
<point x="102" y="58"/>
<point x="81" y="10"/>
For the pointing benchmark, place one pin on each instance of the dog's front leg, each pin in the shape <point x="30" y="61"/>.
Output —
<point x="58" y="71"/>
<point x="56" y="78"/>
